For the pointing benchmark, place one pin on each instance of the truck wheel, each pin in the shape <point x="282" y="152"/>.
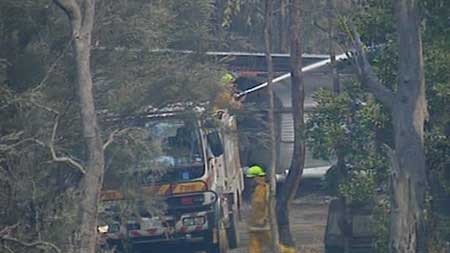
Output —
<point x="232" y="231"/>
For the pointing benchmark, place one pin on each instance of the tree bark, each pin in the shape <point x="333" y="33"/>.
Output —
<point x="331" y="35"/>
<point x="289" y="188"/>
<point x="218" y="12"/>
<point x="409" y="181"/>
<point x="271" y="122"/>
<point x="283" y="27"/>
<point x="82" y="22"/>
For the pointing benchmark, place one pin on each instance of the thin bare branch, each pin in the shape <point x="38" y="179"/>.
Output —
<point x="114" y="134"/>
<point x="320" y="27"/>
<point x="368" y="76"/>
<point x="35" y="244"/>
<point x="6" y="148"/>
<point x="44" y="107"/>
<point x="51" y="145"/>
<point x="110" y="139"/>
<point x="52" y="67"/>
<point x="7" y="248"/>
<point x="41" y="84"/>
<point x="11" y="137"/>
<point x="64" y="159"/>
<point x="117" y="133"/>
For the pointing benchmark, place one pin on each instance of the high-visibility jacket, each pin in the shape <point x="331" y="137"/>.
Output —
<point x="259" y="215"/>
<point x="225" y="99"/>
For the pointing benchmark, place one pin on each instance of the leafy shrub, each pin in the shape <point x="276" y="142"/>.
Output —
<point x="359" y="189"/>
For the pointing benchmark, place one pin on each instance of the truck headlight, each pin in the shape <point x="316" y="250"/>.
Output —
<point x="199" y="220"/>
<point x="194" y="221"/>
<point x="103" y="229"/>
<point x="188" y="222"/>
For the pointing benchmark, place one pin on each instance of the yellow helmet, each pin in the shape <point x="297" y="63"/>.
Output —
<point x="227" y="78"/>
<point x="255" y="171"/>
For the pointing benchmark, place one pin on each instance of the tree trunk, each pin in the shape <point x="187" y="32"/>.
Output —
<point x="92" y="182"/>
<point x="283" y="27"/>
<point x="290" y="187"/>
<point x="331" y="35"/>
<point x="217" y="14"/>
<point x="82" y="21"/>
<point x="409" y="182"/>
<point x="271" y="122"/>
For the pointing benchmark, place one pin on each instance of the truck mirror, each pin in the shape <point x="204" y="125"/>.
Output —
<point x="215" y="143"/>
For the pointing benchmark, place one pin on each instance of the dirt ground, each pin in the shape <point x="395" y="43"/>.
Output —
<point x="308" y="220"/>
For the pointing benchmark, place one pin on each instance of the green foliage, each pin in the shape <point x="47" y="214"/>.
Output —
<point x="438" y="156"/>
<point x="350" y="128"/>
<point x="375" y="18"/>
<point x="437" y="142"/>
<point x="190" y="27"/>
<point x="359" y="189"/>
<point x="344" y="124"/>
<point x="242" y="24"/>
<point x="381" y="216"/>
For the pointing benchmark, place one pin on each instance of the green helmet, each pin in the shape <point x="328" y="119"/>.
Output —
<point x="255" y="171"/>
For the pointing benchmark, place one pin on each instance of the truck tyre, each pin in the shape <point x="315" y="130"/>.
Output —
<point x="232" y="231"/>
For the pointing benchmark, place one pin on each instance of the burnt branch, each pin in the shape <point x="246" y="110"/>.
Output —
<point x="368" y="77"/>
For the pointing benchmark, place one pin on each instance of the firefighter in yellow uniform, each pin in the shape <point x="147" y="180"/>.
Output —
<point x="226" y="98"/>
<point x="259" y="223"/>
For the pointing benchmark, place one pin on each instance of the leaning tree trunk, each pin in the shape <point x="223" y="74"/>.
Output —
<point x="82" y="21"/>
<point x="271" y="122"/>
<point x="409" y="182"/>
<point x="290" y="187"/>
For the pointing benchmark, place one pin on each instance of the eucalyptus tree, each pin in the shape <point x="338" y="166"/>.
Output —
<point x="290" y="187"/>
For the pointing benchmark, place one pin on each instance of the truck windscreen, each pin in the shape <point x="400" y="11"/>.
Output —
<point x="179" y="154"/>
<point x="176" y="154"/>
